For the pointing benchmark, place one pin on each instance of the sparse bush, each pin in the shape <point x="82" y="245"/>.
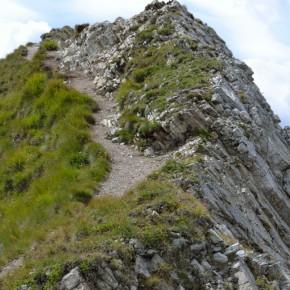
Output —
<point x="82" y="196"/>
<point x="173" y="166"/>
<point x="153" y="282"/>
<point x="147" y="34"/>
<point x="50" y="45"/>
<point x="166" y="30"/>
<point x="139" y="75"/>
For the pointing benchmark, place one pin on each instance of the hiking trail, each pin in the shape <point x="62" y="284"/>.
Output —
<point x="128" y="165"/>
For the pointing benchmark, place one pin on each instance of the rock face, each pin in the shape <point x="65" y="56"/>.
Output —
<point x="202" y="269"/>
<point x="244" y="177"/>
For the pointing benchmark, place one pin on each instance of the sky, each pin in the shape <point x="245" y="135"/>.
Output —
<point x="257" y="31"/>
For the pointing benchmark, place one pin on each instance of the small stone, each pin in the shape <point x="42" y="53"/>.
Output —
<point x="232" y="249"/>
<point x="136" y="244"/>
<point x="198" y="247"/>
<point x="214" y="236"/>
<point x="241" y="254"/>
<point x="175" y="235"/>
<point x="179" y="243"/>
<point x="82" y="286"/>
<point x="245" y="116"/>
<point x="197" y="267"/>
<point x="276" y="119"/>
<point x="151" y="253"/>
<point x="141" y="267"/>
<point x="155" y="263"/>
<point x="24" y="287"/>
<point x="242" y="148"/>
<point x="216" y="249"/>
<point x="236" y="266"/>
<point x="149" y="152"/>
<point x="107" y="123"/>
<point x="216" y="99"/>
<point x="206" y="265"/>
<point x="220" y="258"/>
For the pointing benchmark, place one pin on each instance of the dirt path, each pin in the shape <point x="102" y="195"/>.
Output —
<point x="15" y="264"/>
<point x="129" y="166"/>
<point x="31" y="51"/>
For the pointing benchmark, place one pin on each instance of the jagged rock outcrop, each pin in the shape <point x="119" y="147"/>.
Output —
<point x="201" y="266"/>
<point x="244" y="176"/>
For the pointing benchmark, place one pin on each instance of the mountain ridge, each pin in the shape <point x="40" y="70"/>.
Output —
<point x="180" y="90"/>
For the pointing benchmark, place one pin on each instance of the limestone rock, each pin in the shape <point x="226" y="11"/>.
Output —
<point x="232" y="249"/>
<point x="141" y="267"/>
<point x="220" y="258"/>
<point x="214" y="236"/>
<point x="73" y="281"/>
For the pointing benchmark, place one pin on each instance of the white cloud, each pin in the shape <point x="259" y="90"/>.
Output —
<point x="15" y="33"/>
<point x="18" y="25"/>
<point x="13" y="11"/>
<point x="100" y="10"/>
<point x="248" y="26"/>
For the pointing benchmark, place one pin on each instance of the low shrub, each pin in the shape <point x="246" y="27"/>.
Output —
<point x="50" y="45"/>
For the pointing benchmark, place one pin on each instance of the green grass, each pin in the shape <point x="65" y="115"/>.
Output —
<point x="133" y="124"/>
<point x="263" y="283"/>
<point x="107" y="222"/>
<point x="147" y="34"/>
<point x="49" y="166"/>
<point x="50" y="44"/>
<point x="15" y="70"/>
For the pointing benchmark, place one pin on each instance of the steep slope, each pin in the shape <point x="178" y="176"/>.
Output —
<point x="179" y="89"/>
<point x="49" y="166"/>
<point x="179" y="78"/>
<point x="244" y="177"/>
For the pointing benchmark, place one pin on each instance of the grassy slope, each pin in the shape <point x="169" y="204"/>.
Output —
<point x="49" y="166"/>
<point x="109" y="222"/>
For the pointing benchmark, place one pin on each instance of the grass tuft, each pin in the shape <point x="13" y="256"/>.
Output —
<point x="50" y="45"/>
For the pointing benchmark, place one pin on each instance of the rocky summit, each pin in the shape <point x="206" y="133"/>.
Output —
<point x="195" y="187"/>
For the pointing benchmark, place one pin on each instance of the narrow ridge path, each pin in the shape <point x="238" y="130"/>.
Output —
<point x="129" y="166"/>
<point x="31" y="51"/>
